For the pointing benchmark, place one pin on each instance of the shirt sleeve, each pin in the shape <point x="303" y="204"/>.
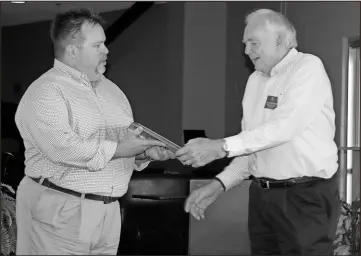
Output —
<point x="307" y="92"/>
<point x="235" y="172"/>
<point x="141" y="166"/>
<point x="45" y="122"/>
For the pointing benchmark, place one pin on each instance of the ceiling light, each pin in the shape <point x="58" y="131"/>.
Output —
<point x="18" y="2"/>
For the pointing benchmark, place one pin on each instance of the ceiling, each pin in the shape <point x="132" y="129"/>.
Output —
<point x="16" y="14"/>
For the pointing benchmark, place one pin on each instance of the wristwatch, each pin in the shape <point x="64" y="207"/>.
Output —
<point x="225" y="147"/>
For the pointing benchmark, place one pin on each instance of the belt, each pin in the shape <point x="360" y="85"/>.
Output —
<point x="267" y="183"/>
<point x="105" y="199"/>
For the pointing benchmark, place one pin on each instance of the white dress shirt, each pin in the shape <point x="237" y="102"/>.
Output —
<point x="71" y="131"/>
<point x="293" y="137"/>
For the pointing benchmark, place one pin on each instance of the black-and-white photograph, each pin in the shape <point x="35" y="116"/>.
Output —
<point x="180" y="128"/>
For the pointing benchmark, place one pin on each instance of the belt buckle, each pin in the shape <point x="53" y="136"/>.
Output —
<point x="264" y="184"/>
<point x="267" y="184"/>
<point x="107" y="200"/>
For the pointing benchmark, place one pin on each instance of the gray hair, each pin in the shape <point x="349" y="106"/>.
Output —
<point x="277" y="21"/>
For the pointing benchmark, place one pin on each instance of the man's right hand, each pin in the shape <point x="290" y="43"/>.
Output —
<point x="132" y="144"/>
<point x="198" y="201"/>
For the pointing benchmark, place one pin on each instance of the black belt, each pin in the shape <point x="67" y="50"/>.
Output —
<point x="267" y="183"/>
<point x="105" y="199"/>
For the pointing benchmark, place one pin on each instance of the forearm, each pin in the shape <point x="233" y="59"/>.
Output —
<point x="235" y="172"/>
<point x="141" y="157"/>
<point x="43" y="120"/>
<point x="141" y="161"/>
<point x="66" y="148"/>
<point x="271" y="134"/>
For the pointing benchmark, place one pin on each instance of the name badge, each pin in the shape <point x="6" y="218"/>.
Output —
<point x="271" y="102"/>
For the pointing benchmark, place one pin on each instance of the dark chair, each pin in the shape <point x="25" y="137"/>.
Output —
<point x="154" y="220"/>
<point x="12" y="169"/>
<point x="192" y="134"/>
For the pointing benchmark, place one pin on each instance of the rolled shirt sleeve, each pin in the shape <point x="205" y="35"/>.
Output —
<point x="140" y="167"/>
<point x="235" y="172"/>
<point x="46" y="123"/>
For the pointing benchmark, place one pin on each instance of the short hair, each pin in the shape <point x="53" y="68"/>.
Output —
<point x="278" y="21"/>
<point x="67" y="26"/>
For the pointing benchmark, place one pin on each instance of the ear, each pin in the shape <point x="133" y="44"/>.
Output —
<point x="71" y="51"/>
<point x="279" y="40"/>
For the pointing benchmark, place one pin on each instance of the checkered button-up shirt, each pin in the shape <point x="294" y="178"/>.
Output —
<point x="71" y="131"/>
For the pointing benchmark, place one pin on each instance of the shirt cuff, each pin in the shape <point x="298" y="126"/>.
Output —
<point x="141" y="166"/>
<point x="235" y="145"/>
<point x="235" y="172"/>
<point x="105" y="153"/>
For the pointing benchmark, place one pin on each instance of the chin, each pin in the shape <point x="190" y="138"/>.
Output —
<point x="101" y="70"/>
<point x="258" y="69"/>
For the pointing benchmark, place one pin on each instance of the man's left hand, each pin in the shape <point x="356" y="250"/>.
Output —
<point x="159" y="153"/>
<point x="201" y="151"/>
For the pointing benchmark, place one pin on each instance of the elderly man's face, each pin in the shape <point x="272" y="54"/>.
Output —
<point x="92" y="54"/>
<point x="262" y="45"/>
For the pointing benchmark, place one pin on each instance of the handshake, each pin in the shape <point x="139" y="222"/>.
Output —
<point x="197" y="152"/>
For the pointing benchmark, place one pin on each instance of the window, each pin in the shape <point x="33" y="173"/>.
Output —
<point x="350" y="120"/>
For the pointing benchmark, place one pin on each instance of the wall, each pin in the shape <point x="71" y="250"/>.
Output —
<point x="335" y="20"/>
<point x="146" y="63"/>
<point x="204" y="67"/>
<point x="27" y="53"/>
<point x="321" y="34"/>
<point x="224" y="231"/>
<point x="238" y="66"/>
<point x="215" y="68"/>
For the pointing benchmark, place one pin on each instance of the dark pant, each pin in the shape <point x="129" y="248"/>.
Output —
<point x="299" y="220"/>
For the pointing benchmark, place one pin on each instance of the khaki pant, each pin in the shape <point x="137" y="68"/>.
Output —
<point x="53" y="223"/>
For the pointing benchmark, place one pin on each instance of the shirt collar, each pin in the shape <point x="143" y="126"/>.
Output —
<point x="67" y="69"/>
<point x="74" y="72"/>
<point x="284" y="62"/>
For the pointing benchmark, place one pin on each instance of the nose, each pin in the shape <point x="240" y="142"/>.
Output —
<point x="247" y="49"/>
<point x="105" y="50"/>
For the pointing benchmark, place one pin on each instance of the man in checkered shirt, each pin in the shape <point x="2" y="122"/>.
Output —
<point x="79" y="153"/>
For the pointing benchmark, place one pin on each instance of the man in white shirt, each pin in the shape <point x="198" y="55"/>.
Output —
<point x="286" y="145"/>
